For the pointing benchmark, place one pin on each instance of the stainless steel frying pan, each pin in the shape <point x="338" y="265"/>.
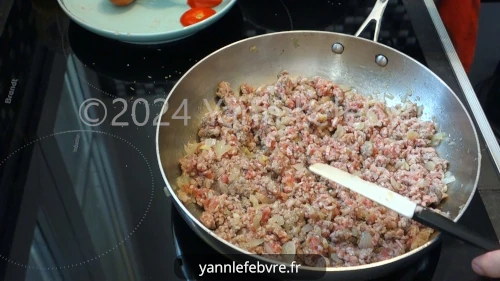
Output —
<point x="366" y="65"/>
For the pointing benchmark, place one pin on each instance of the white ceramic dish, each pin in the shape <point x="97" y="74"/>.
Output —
<point x="142" y="22"/>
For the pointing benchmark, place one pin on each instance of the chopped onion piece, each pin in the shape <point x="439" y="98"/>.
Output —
<point x="345" y="88"/>
<point x="395" y="112"/>
<point x="395" y="184"/>
<point x="273" y="110"/>
<point x="300" y="167"/>
<point x="372" y="117"/>
<point x="254" y="200"/>
<point x="254" y="243"/>
<point x="325" y="99"/>
<point x="270" y="89"/>
<point x="220" y="148"/>
<point x="309" y="210"/>
<point x="437" y="138"/>
<point x="208" y="143"/>
<point x="444" y="189"/>
<point x="359" y="125"/>
<point x="223" y="188"/>
<point x="237" y="111"/>
<point x="191" y="148"/>
<point x="412" y="135"/>
<point x="389" y="96"/>
<point x="288" y="248"/>
<point x="340" y="132"/>
<point x="335" y="258"/>
<point x="317" y="230"/>
<point x="448" y="178"/>
<point x="267" y="248"/>
<point x="234" y="174"/>
<point x="402" y="164"/>
<point x="430" y="165"/>
<point x="183" y="196"/>
<point x="208" y="183"/>
<point x="183" y="180"/>
<point x="329" y="216"/>
<point x="263" y="159"/>
<point x="421" y="238"/>
<point x="203" y="153"/>
<point x="366" y="240"/>
<point x="261" y="206"/>
<point x="306" y="228"/>
<point x="278" y="124"/>
<point x="257" y="218"/>
<point x="236" y="217"/>
<point x="367" y="148"/>
<point x="285" y="120"/>
<point x="422" y="183"/>
<point x="278" y="219"/>
<point x="248" y="152"/>
<point x="322" y="215"/>
<point x="406" y="166"/>
<point x="262" y="198"/>
<point x="257" y="108"/>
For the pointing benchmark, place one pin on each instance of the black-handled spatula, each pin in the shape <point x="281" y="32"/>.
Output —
<point x="403" y="206"/>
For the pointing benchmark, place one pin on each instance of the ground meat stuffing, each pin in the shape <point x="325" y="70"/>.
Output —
<point x="248" y="171"/>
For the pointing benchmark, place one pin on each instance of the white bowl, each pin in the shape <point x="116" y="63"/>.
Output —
<point x="142" y="22"/>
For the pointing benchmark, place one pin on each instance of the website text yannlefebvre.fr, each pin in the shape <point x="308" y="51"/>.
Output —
<point x="247" y="267"/>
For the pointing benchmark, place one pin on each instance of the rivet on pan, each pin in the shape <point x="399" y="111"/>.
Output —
<point x="381" y="60"/>
<point x="338" y="48"/>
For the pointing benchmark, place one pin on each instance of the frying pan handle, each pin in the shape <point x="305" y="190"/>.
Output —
<point x="375" y="15"/>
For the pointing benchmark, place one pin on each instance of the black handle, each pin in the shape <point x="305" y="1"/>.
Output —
<point x="443" y="224"/>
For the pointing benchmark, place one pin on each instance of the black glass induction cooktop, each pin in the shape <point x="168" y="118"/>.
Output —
<point x="81" y="194"/>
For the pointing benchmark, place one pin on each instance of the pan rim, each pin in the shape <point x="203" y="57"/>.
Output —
<point x="328" y="269"/>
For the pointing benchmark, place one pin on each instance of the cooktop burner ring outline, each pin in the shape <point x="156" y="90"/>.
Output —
<point x="125" y="238"/>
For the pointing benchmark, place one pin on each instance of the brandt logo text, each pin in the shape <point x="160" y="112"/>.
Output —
<point x="13" y="84"/>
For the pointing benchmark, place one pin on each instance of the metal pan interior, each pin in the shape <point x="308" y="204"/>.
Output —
<point x="258" y="60"/>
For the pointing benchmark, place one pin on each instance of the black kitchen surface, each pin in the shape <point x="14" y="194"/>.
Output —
<point x="81" y="194"/>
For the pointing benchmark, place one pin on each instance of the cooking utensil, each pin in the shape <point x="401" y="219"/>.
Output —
<point x="402" y="205"/>
<point x="365" y="64"/>
<point x="141" y="22"/>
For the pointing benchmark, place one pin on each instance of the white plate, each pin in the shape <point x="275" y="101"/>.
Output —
<point x="142" y="22"/>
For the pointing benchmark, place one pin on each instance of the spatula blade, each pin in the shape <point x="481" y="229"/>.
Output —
<point x="383" y="196"/>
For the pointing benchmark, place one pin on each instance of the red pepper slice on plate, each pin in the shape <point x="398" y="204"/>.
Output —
<point x="204" y="3"/>
<point x="196" y="15"/>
